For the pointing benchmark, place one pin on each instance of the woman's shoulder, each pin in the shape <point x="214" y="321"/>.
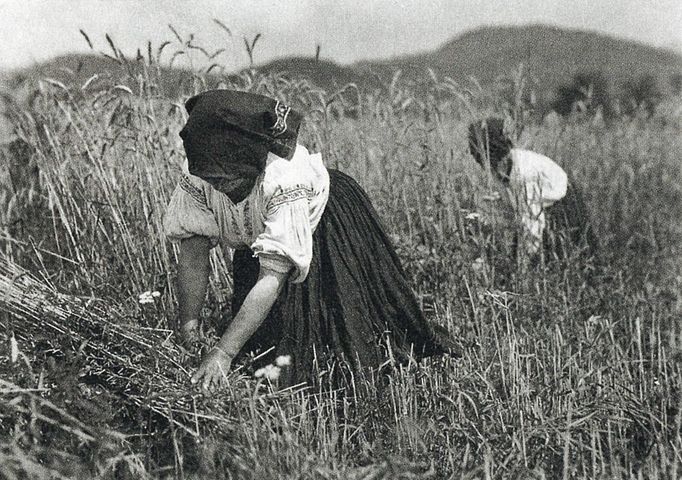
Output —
<point x="303" y="171"/>
<point x="192" y="185"/>
<point x="523" y="155"/>
<point x="528" y="162"/>
<point x="188" y="178"/>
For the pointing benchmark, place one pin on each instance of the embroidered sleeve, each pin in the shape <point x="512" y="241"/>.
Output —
<point x="286" y="243"/>
<point x="193" y="191"/>
<point x="289" y="195"/>
<point x="188" y="213"/>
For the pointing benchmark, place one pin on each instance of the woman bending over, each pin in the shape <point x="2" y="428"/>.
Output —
<point x="314" y="272"/>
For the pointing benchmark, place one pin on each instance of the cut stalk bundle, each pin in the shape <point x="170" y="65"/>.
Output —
<point x="143" y="366"/>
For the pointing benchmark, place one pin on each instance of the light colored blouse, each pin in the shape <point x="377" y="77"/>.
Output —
<point x="276" y="221"/>
<point x="535" y="183"/>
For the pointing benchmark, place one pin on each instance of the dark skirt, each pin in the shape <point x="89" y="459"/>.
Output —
<point x="568" y="230"/>
<point x="354" y="305"/>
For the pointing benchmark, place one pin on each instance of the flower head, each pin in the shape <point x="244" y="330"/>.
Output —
<point x="283" y="360"/>
<point x="148" y="297"/>
<point x="271" y="372"/>
<point x="478" y="265"/>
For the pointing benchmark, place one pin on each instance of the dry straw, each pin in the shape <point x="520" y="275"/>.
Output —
<point x="142" y="365"/>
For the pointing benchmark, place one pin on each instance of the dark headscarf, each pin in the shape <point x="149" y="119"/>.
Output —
<point x="228" y="135"/>
<point x="487" y="139"/>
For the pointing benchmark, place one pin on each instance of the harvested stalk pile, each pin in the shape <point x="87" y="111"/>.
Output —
<point x="143" y="366"/>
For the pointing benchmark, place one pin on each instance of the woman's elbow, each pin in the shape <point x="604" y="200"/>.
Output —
<point x="559" y="192"/>
<point x="273" y="281"/>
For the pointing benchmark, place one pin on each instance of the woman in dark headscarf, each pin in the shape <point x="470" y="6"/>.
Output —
<point x="314" y="272"/>
<point x="553" y="217"/>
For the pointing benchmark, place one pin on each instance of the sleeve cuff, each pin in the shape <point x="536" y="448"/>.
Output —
<point x="276" y="263"/>
<point x="177" y="239"/>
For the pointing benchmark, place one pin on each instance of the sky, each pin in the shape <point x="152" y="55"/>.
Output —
<point x="346" y="30"/>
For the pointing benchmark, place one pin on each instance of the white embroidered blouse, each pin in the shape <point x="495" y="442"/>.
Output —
<point x="276" y="221"/>
<point x="535" y="183"/>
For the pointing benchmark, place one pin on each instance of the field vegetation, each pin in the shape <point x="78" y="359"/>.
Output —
<point x="567" y="370"/>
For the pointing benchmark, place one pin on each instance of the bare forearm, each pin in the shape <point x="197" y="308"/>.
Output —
<point x="253" y="311"/>
<point x="193" y="270"/>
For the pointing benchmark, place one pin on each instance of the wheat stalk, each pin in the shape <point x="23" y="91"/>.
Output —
<point x="141" y="365"/>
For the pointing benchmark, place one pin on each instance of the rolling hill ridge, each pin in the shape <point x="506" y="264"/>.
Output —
<point x="551" y="56"/>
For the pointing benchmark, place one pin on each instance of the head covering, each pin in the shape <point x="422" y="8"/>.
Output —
<point x="487" y="138"/>
<point x="228" y="135"/>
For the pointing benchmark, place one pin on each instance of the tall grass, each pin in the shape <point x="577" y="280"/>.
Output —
<point x="565" y="373"/>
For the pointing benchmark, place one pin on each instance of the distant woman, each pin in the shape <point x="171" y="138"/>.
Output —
<point x="552" y="216"/>
<point x="314" y="272"/>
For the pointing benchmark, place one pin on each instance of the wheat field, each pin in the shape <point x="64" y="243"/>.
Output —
<point x="566" y="372"/>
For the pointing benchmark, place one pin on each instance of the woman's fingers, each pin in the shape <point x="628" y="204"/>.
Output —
<point x="209" y="379"/>
<point x="201" y="371"/>
<point x="211" y="374"/>
<point x="221" y="378"/>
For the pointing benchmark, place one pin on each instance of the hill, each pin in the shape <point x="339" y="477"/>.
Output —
<point x="80" y="68"/>
<point x="323" y="73"/>
<point x="550" y="55"/>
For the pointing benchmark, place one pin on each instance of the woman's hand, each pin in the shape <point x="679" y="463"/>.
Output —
<point x="212" y="372"/>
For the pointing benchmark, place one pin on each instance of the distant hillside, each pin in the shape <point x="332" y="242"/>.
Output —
<point x="322" y="73"/>
<point x="550" y="55"/>
<point x="80" y="68"/>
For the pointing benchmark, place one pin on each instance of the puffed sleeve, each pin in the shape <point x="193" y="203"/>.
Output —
<point x="188" y="213"/>
<point x="286" y="244"/>
<point x="545" y="181"/>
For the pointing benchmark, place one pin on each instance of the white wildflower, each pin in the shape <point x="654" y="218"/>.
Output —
<point x="283" y="360"/>
<point x="156" y="294"/>
<point x="147" y="297"/>
<point x="271" y="372"/>
<point x="478" y="265"/>
<point x="472" y="216"/>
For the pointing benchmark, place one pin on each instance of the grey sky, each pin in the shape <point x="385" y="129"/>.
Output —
<point x="347" y="30"/>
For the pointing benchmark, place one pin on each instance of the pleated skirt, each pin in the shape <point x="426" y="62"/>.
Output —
<point x="355" y="306"/>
